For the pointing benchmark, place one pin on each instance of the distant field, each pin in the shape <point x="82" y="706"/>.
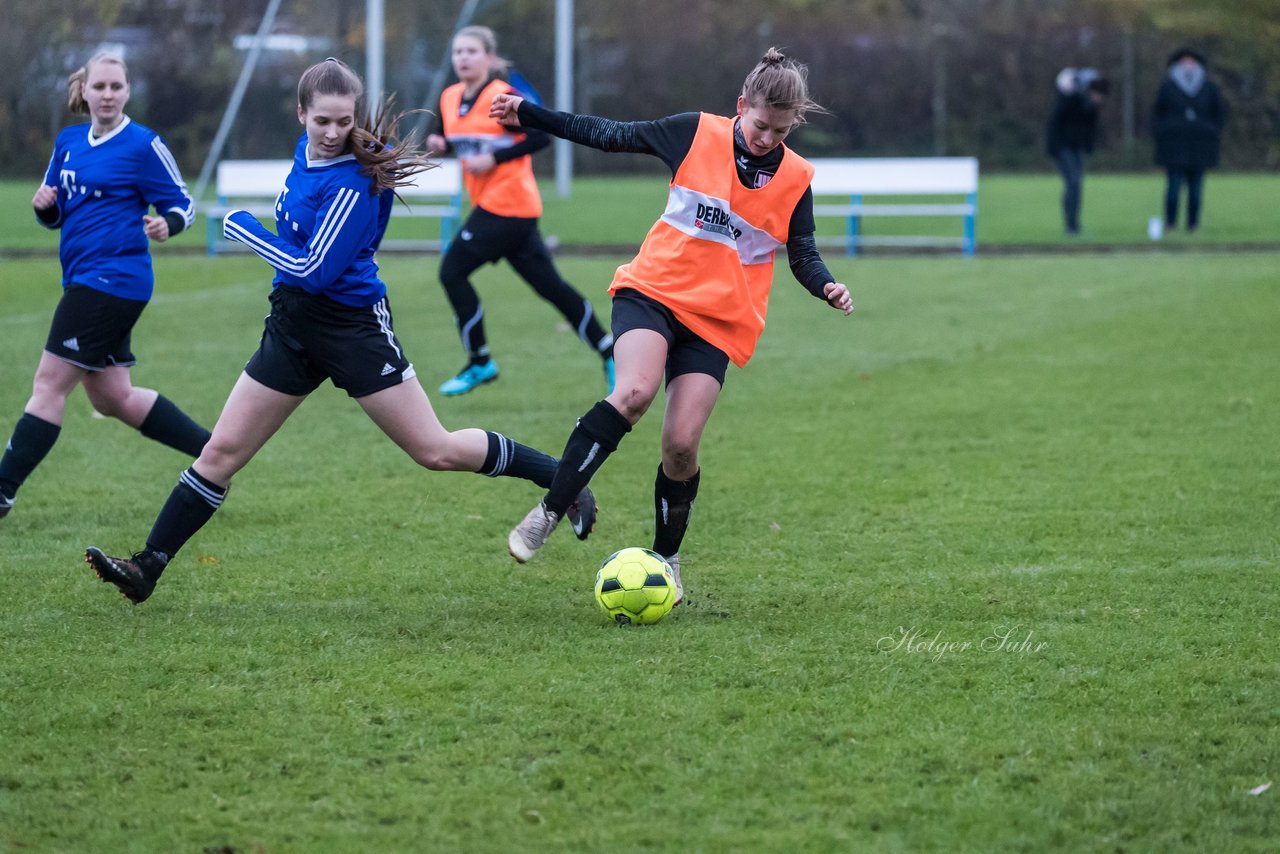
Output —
<point x="1014" y="210"/>
<point x="989" y="566"/>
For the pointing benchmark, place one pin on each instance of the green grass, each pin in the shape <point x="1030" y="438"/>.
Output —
<point x="1014" y="210"/>
<point x="1075" y="450"/>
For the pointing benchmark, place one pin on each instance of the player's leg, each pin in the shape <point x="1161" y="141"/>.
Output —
<point x="697" y="375"/>
<point x="405" y="414"/>
<point x="252" y="414"/>
<point x="276" y="379"/>
<point x="39" y="427"/>
<point x="532" y="260"/>
<point x="475" y="246"/>
<point x="641" y="356"/>
<point x="112" y="393"/>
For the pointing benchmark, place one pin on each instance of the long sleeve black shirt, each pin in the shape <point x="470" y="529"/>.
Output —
<point x="670" y="139"/>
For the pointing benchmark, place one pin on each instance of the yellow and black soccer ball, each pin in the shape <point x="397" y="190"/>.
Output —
<point x="635" y="586"/>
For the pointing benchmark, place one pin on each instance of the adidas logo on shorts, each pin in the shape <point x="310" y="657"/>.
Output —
<point x="72" y="344"/>
<point x="387" y="369"/>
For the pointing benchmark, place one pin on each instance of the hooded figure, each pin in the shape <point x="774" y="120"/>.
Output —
<point x="1189" y="115"/>
<point x="1187" y="123"/>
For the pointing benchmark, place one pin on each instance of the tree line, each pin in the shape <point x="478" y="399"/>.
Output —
<point x="899" y="77"/>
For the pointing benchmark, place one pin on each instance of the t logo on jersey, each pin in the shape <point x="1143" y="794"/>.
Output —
<point x="68" y="179"/>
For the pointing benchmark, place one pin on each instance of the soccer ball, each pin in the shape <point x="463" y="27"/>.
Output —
<point x="635" y="586"/>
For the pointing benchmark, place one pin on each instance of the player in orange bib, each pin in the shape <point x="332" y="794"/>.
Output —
<point x="498" y="172"/>
<point x="695" y="296"/>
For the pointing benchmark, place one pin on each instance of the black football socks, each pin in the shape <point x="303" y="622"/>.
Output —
<point x="509" y="458"/>
<point x="672" y="502"/>
<point x="191" y="504"/>
<point x="31" y="441"/>
<point x="169" y="425"/>
<point x="595" y="437"/>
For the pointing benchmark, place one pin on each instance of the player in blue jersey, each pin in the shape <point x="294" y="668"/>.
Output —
<point x="102" y="180"/>
<point x="329" y="320"/>
<point x="497" y="167"/>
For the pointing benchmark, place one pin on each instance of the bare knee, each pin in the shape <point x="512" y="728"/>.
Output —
<point x="632" y="402"/>
<point x="220" y="459"/>
<point x="679" y="458"/>
<point x="433" y="459"/>
<point x="48" y="394"/>
<point x="438" y="456"/>
<point x="105" y="403"/>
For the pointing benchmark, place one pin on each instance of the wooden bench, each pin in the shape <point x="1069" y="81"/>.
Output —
<point x="856" y="178"/>
<point x="253" y="185"/>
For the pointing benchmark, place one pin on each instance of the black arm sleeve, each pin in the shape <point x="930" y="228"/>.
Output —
<point x="534" y="141"/>
<point x="48" y="215"/>
<point x="668" y="139"/>
<point x="176" y="223"/>
<point x="802" y="249"/>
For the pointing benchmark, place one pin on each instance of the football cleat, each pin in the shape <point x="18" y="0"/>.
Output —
<point x="470" y="377"/>
<point x="531" y="534"/>
<point x="126" y="575"/>
<point x="674" y="563"/>
<point x="582" y="513"/>
<point x="6" y="504"/>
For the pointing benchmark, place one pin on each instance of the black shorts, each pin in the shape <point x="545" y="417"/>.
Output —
<point x="92" y="329"/>
<point x="310" y="338"/>
<point x="486" y="238"/>
<point x="686" y="352"/>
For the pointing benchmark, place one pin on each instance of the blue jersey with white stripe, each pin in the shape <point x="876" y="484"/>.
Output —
<point x="105" y="185"/>
<point x="328" y="226"/>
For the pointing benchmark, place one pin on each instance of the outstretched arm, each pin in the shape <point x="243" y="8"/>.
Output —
<point x="668" y="139"/>
<point x="592" y="131"/>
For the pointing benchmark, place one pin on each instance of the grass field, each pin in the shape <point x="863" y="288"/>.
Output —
<point x="1014" y="210"/>
<point x="990" y="565"/>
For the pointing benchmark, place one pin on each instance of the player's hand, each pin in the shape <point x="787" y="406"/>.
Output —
<point x="838" y="297"/>
<point x="479" y="164"/>
<point x="436" y="144"/>
<point x="504" y="109"/>
<point x="45" y="197"/>
<point x="156" y="227"/>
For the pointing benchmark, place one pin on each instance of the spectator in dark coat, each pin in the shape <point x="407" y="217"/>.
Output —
<point x="1188" y="119"/>
<point x="1073" y="126"/>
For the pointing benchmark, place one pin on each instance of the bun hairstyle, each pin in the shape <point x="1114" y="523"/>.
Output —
<point x="389" y="161"/>
<point x="76" y="82"/>
<point x="781" y="84"/>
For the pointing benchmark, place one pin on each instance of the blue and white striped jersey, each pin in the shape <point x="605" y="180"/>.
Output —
<point x="105" y="185"/>
<point x="328" y="226"/>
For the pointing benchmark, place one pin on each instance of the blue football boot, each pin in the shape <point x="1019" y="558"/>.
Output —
<point x="610" y="374"/>
<point x="470" y="377"/>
